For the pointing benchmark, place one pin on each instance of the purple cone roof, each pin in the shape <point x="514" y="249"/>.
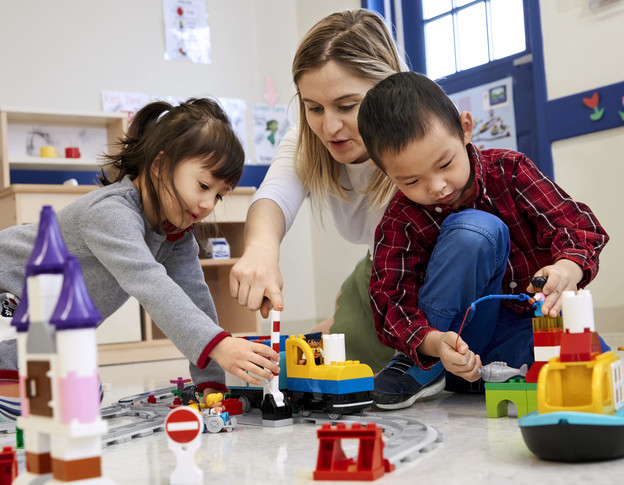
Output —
<point x="75" y="308"/>
<point x="50" y="251"/>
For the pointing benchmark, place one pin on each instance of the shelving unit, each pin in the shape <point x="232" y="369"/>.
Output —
<point x="114" y="123"/>
<point x="21" y="204"/>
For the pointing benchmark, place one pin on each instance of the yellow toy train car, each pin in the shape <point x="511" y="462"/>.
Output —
<point x="332" y="387"/>
<point x="317" y="379"/>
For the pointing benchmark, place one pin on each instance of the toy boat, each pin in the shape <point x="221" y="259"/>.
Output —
<point x="574" y="437"/>
<point x="580" y="394"/>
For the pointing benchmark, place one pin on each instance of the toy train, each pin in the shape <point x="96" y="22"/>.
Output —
<point x="328" y="385"/>
<point x="580" y="394"/>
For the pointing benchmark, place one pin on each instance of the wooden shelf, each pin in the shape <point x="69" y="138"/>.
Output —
<point x="114" y="123"/>
<point x="60" y="163"/>
<point x="218" y="262"/>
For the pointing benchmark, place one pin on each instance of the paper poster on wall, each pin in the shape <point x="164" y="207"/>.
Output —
<point x="270" y="125"/>
<point x="187" y="35"/>
<point x="236" y="109"/>
<point x="492" y="110"/>
<point x="124" y="102"/>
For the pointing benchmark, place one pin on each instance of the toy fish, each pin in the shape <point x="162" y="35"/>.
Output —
<point x="500" y="372"/>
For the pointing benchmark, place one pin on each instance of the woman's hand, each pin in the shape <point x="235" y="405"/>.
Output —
<point x="256" y="282"/>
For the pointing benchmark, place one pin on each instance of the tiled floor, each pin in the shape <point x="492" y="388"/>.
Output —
<point x="473" y="450"/>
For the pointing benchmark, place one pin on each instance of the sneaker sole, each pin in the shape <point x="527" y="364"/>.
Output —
<point x="426" y="392"/>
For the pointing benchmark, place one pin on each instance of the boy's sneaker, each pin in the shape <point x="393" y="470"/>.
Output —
<point x="402" y="382"/>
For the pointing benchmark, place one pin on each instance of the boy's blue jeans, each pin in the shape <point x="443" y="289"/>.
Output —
<point x="469" y="262"/>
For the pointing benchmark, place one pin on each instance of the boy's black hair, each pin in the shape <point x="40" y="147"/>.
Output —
<point x="402" y="108"/>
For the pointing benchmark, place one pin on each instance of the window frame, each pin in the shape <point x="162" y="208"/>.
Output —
<point x="411" y="41"/>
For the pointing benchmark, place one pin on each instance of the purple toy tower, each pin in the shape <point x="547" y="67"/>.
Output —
<point x="57" y="351"/>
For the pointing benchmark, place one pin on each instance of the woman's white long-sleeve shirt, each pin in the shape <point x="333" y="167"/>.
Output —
<point x="355" y="219"/>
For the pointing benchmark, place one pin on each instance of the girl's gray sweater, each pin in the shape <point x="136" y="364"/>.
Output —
<point x="120" y="256"/>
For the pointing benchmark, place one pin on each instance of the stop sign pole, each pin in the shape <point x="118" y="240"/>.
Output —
<point x="184" y="427"/>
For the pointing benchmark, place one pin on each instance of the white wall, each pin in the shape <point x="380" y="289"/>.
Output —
<point x="61" y="55"/>
<point x="314" y="259"/>
<point x="581" y="46"/>
<point x="582" y="52"/>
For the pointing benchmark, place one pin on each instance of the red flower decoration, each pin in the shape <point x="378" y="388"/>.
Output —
<point x="592" y="102"/>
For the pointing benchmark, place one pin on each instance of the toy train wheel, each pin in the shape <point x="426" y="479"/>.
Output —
<point x="334" y="415"/>
<point x="214" y="424"/>
<point x="246" y="403"/>
<point x="304" y="412"/>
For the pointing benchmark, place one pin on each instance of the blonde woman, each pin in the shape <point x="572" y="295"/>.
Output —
<point x="337" y="62"/>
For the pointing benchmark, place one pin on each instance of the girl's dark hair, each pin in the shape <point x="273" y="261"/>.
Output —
<point x="160" y="132"/>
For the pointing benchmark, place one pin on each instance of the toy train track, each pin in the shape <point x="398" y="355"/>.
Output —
<point x="405" y="438"/>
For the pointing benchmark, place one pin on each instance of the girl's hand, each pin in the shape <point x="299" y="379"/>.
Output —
<point x="462" y="362"/>
<point x="564" y="275"/>
<point x="239" y="356"/>
<point x="256" y="282"/>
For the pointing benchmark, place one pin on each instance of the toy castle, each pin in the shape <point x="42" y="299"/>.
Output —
<point x="57" y="351"/>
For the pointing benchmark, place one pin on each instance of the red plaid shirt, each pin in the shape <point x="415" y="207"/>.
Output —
<point x="544" y="223"/>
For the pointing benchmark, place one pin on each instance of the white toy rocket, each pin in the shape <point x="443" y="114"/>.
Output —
<point x="57" y="351"/>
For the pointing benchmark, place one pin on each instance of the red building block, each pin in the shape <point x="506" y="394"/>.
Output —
<point x="579" y="347"/>
<point x="8" y="465"/>
<point x="333" y="464"/>
<point x="233" y="406"/>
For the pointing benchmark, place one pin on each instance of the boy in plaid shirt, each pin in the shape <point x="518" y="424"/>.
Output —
<point x="464" y="224"/>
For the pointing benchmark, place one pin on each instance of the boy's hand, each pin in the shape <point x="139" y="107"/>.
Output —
<point x="564" y="275"/>
<point x="237" y="355"/>
<point x="462" y="362"/>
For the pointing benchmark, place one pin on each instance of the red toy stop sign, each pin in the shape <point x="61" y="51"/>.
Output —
<point x="183" y="425"/>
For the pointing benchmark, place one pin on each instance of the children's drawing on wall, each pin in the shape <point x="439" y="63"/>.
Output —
<point x="492" y="110"/>
<point x="236" y="109"/>
<point x="270" y="125"/>
<point x="124" y="102"/>
<point x="187" y="35"/>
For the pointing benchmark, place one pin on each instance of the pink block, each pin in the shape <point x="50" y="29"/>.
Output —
<point x="80" y="398"/>
<point x="24" y="399"/>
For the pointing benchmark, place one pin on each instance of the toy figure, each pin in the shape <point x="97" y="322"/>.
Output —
<point x="190" y="397"/>
<point x="214" y="403"/>
<point x="314" y="341"/>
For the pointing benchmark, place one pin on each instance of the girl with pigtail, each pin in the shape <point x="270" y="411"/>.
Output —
<point x="134" y="236"/>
